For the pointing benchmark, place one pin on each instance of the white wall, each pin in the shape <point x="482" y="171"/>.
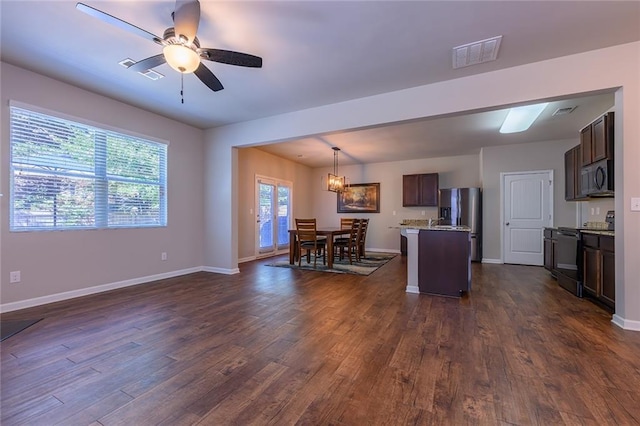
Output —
<point x="55" y="262"/>
<point x="616" y="67"/>
<point x="522" y="158"/>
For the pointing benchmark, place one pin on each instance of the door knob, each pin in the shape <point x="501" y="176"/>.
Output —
<point x="507" y="224"/>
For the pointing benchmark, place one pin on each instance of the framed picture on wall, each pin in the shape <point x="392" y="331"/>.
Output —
<point x="360" y="198"/>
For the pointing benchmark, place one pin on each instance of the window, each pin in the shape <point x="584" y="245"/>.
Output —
<point x="68" y="175"/>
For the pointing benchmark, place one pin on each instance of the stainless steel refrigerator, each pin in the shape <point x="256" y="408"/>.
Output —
<point x="463" y="206"/>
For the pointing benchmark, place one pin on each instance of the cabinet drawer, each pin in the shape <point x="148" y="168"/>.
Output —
<point x="607" y="243"/>
<point x="590" y="240"/>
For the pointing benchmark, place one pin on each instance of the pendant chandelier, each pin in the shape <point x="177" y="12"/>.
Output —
<point x="336" y="183"/>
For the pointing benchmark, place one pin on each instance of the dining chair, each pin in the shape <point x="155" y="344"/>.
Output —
<point x="307" y="239"/>
<point x="350" y="243"/>
<point x="362" y="236"/>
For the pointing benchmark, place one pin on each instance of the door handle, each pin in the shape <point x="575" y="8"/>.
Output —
<point x="507" y="224"/>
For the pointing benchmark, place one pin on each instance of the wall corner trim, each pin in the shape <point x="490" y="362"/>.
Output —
<point x="626" y="324"/>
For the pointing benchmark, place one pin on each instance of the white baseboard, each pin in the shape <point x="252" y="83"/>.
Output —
<point x="224" y="271"/>
<point x="494" y="261"/>
<point x="37" y="301"/>
<point x="626" y="324"/>
<point x="247" y="259"/>
<point x="380" y="250"/>
<point x="413" y="289"/>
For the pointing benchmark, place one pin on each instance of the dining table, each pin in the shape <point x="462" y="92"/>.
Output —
<point x="329" y="232"/>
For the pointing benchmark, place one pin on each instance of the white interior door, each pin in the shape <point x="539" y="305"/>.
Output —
<point x="527" y="201"/>
<point x="273" y="211"/>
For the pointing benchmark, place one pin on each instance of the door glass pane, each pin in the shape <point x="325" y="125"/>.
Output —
<point x="265" y="215"/>
<point x="284" y="213"/>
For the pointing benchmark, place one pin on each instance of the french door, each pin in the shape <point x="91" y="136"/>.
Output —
<point x="273" y="211"/>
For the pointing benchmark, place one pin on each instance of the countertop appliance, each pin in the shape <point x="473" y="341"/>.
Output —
<point x="610" y="219"/>
<point x="597" y="179"/>
<point x="463" y="206"/>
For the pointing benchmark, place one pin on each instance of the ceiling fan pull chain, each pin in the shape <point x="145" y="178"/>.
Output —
<point x="182" y="87"/>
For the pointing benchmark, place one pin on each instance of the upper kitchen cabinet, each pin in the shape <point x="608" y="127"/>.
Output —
<point x="596" y="140"/>
<point x="420" y="190"/>
<point x="572" y="178"/>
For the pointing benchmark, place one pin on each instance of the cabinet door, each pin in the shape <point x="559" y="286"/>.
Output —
<point x="548" y="254"/>
<point x="608" y="295"/>
<point x="591" y="279"/>
<point x="429" y="189"/>
<point x="569" y="176"/>
<point x="410" y="190"/>
<point x="585" y="146"/>
<point x="599" y="139"/>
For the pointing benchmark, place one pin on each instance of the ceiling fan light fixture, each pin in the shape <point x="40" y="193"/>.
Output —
<point x="181" y="58"/>
<point x="521" y="118"/>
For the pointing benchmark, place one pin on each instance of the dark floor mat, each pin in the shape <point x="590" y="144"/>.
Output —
<point x="9" y="328"/>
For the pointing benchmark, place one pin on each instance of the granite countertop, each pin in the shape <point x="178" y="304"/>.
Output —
<point x="437" y="228"/>
<point x="599" y="232"/>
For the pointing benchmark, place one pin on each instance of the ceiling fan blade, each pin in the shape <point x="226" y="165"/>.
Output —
<point x="105" y="17"/>
<point x="207" y="77"/>
<point x="231" y="58"/>
<point x="186" y="18"/>
<point x="147" y="64"/>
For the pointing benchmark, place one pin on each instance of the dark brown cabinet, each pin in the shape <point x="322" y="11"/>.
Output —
<point x="572" y="177"/>
<point x="444" y="262"/>
<point x="598" y="257"/>
<point x="420" y="190"/>
<point x="596" y="140"/>
<point x="549" y="250"/>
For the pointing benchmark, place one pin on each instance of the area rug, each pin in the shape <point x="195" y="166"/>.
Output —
<point x="10" y="328"/>
<point x="367" y="265"/>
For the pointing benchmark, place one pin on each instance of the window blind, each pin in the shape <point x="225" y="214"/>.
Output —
<point x="69" y="175"/>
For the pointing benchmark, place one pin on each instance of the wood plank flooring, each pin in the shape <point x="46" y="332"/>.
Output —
<point x="275" y="346"/>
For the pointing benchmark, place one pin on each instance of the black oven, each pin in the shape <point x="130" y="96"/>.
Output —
<point x="567" y="262"/>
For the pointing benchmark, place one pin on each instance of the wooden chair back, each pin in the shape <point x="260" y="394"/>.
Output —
<point x="346" y="222"/>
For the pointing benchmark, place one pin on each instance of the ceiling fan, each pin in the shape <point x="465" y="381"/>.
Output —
<point x="180" y="46"/>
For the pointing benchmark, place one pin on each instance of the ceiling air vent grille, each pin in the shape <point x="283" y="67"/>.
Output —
<point x="476" y="52"/>
<point x="564" y="111"/>
<point x="151" y="74"/>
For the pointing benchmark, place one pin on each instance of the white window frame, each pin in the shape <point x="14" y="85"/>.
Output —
<point x="100" y="177"/>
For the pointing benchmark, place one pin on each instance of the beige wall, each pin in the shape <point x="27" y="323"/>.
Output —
<point x="522" y="158"/>
<point x="252" y="162"/>
<point x="71" y="262"/>
<point x="460" y="171"/>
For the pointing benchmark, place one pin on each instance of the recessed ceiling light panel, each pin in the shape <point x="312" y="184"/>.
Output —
<point x="476" y="53"/>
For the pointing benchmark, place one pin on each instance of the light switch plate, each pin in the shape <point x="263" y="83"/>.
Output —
<point x="635" y="204"/>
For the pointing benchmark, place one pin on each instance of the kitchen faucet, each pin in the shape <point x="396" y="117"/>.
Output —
<point x="437" y="221"/>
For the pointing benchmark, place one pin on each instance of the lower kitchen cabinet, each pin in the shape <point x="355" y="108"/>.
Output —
<point x="550" y="250"/>
<point x="598" y="258"/>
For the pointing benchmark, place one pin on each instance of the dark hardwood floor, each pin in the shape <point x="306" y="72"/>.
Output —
<point x="280" y="346"/>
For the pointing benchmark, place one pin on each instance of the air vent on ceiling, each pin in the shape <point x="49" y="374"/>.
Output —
<point x="564" y="111"/>
<point x="127" y="62"/>
<point x="151" y="74"/>
<point x="476" y="52"/>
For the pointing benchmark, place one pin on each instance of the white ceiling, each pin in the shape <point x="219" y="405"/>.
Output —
<point x="317" y="53"/>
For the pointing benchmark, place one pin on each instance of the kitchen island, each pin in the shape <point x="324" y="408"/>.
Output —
<point x="438" y="260"/>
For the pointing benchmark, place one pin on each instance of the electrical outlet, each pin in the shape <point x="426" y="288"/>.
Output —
<point x="423" y="212"/>
<point x="14" y="276"/>
<point x="597" y="210"/>
<point x="163" y="256"/>
<point x="394" y="212"/>
<point x="635" y="204"/>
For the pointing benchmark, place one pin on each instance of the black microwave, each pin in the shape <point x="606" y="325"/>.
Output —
<point x="597" y="179"/>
